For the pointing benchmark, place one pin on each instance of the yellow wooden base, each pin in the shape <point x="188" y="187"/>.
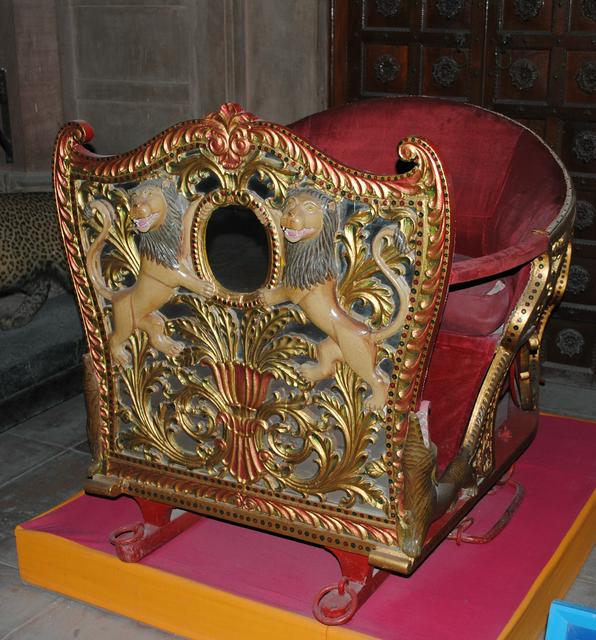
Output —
<point x="555" y="579"/>
<point x="158" y="598"/>
<point x="194" y="610"/>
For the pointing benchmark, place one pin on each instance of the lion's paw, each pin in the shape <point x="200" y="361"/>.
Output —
<point x="172" y="348"/>
<point x="207" y="289"/>
<point x="375" y="402"/>
<point x="310" y="372"/>
<point x="121" y="357"/>
<point x="265" y="297"/>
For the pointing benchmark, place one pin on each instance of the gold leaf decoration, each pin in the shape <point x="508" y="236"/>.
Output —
<point x="340" y="468"/>
<point x="359" y="283"/>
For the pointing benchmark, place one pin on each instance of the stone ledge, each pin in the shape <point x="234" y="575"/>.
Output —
<point x="41" y="362"/>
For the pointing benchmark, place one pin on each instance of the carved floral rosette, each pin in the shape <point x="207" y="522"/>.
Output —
<point x="228" y="425"/>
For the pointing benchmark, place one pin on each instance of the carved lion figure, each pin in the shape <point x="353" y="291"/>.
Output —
<point x="159" y="214"/>
<point x="310" y="220"/>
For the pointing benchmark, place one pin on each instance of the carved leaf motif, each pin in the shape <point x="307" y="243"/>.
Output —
<point x="359" y="283"/>
<point x="341" y="468"/>
<point x="122" y="256"/>
<point x="265" y="352"/>
<point x="212" y="332"/>
<point x="149" y="432"/>
<point x="376" y="468"/>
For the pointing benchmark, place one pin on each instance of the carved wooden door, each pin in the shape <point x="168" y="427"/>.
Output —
<point x="533" y="60"/>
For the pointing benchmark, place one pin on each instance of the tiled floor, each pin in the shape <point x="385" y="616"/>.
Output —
<point x="42" y="462"/>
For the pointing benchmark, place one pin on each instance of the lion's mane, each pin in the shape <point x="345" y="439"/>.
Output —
<point x="163" y="245"/>
<point x="313" y="261"/>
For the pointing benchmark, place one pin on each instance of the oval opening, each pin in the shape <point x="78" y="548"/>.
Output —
<point x="237" y="249"/>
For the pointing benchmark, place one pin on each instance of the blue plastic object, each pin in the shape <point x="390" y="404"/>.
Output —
<point x="567" y="621"/>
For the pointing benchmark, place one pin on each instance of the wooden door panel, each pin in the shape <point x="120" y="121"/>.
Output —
<point x="585" y="218"/>
<point x="385" y="69"/>
<point x="523" y="76"/>
<point x="447" y="15"/>
<point x="580" y="86"/>
<point x="579" y="146"/>
<point x="446" y="72"/>
<point x="527" y="15"/>
<point x="387" y="14"/>
<point x="583" y="15"/>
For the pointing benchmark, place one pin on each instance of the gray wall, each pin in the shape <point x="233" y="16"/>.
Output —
<point x="133" y="67"/>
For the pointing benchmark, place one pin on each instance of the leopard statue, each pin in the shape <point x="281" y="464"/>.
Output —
<point x="31" y="253"/>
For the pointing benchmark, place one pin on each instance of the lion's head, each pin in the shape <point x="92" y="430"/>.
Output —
<point x="157" y="209"/>
<point x="309" y="221"/>
<point x="148" y="207"/>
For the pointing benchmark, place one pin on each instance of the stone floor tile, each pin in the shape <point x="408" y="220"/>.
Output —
<point x="19" y="603"/>
<point x="566" y="400"/>
<point x="62" y="425"/>
<point x="83" y="447"/>
<point x="582" y="592"/>
<point x="17" y="455"/>
<point x="70" y="619"/>
<point x="37" y="491"/>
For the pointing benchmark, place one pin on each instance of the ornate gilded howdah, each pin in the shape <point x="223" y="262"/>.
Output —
<point x="295" y="406"/>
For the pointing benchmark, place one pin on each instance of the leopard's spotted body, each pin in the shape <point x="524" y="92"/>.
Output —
<point x="31" y="253"/>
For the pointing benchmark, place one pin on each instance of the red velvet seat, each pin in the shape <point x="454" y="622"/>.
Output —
<point x="506" y="188"/>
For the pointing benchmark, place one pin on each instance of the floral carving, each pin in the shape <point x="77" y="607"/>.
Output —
<point x="445" y="71"/>
<point x="228" y="134"/>
<point x="386" y="68"/>
<point x="449" y="8"/>
<point x="388" y="8"/>
<point x="584" y="146"/>
<point x="579" y="279"/>
<point x="570" y="342"/>
<point x="523" y="73"/>
<point x="528" y="9"/>
<point x="585" y="214"/>
<point x="589" y="9"/>
<point x="586" y="77"/>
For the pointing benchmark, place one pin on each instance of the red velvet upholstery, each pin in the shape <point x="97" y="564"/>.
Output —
<point x="503" y="181"/>
<point x="506" y="188"/>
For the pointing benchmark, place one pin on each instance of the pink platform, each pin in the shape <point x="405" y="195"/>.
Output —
<point x="467" y="591"/>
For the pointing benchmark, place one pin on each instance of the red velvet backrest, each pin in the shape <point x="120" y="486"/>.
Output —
<point x="532" y="195"/>
<point x="477" y="149"/>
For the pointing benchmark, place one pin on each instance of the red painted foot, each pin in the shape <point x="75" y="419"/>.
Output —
<point x="133" y="542"/>
<point x="337" y="603"/>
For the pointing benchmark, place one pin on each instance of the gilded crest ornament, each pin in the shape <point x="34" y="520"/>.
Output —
<point x="523" y="73"/>
<point x="528" y="9"/>
<point x="387" y="68"/>
<point x="445" y="71"/>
